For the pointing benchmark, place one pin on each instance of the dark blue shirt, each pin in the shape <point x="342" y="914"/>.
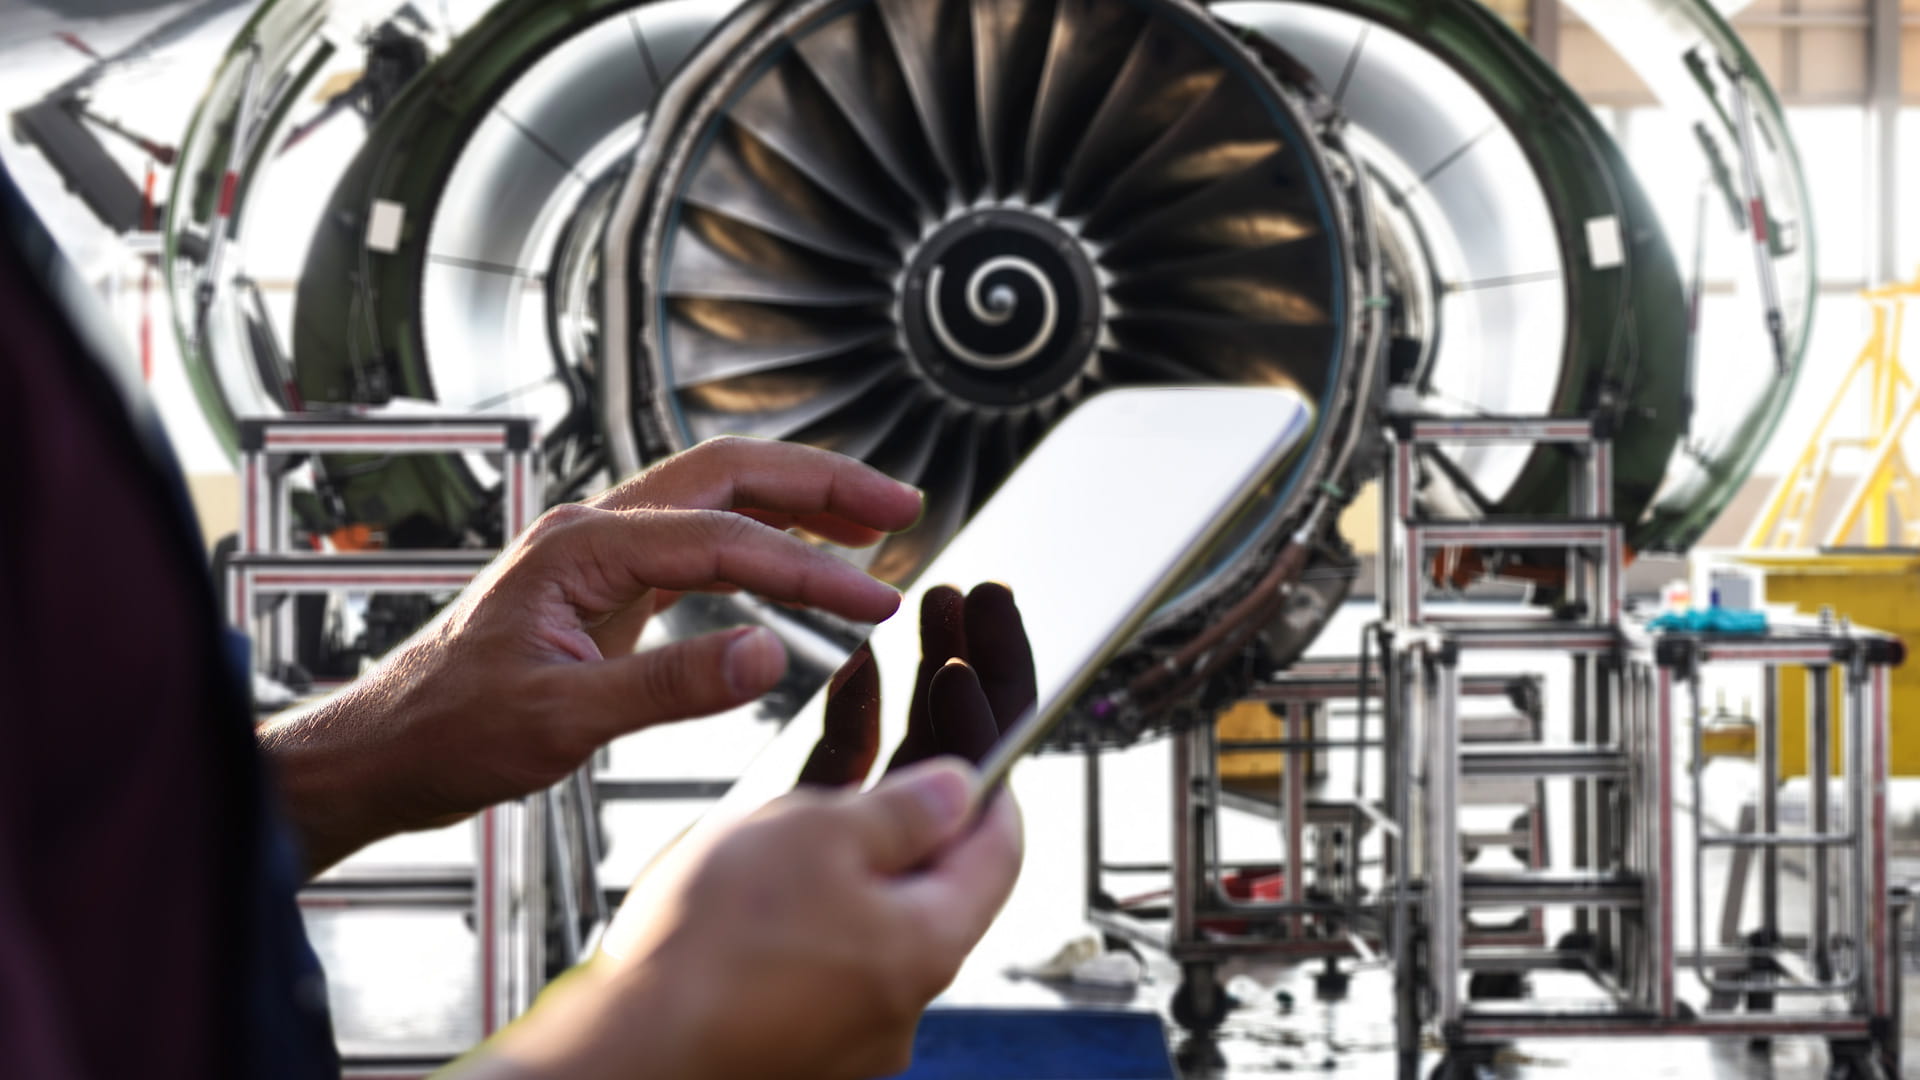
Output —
<point x="148" y="924"/>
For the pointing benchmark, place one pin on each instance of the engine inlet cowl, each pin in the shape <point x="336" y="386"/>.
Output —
<point x="918" y="231"/>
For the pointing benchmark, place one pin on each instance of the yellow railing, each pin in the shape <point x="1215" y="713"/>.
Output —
<point x="1883" y="506"/>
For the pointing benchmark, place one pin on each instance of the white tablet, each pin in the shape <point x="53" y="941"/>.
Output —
<point x="1092" y="533"/>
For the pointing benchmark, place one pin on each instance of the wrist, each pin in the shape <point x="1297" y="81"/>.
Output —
<point x="326" y="762"/>
<point x="606" y="1019"/>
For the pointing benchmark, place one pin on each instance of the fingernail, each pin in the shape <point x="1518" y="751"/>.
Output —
<point x="891" y="604"/>
<point x="920" y="514"/>
<point x="752" y="662"/>
<point x="944" y="790"/>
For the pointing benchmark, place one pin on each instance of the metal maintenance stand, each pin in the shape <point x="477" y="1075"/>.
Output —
<point x="1844" y="972"/>
<point x="1333" y="902"/>
<point x="1431" y="759"/>
<point x="1200" y="921"/>
<point x="1325" y="803"/>
<point x="1623" y="889"/>
<point x="268" y="565"/>
<point x="507" y="889"/>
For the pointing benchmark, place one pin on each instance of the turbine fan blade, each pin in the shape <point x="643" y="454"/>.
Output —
<point x="1235" y="350"/>
<point x="1088" y="45"/>
<point x="778" y="404"/>
<point x="1269" y="203"/>
<point x="715" y="340"/>
<point x="1166" y="73"/>
<point x="1009" y="46"/>
<point x="1279" y="283"/>
<point x="792" y="114"/>
<point x="860" y="429"/>
<point x="1123" y="366"/>
<point x="1224" y="132"/>
<point x="949" y="487"/>
<point x="748" y="181"/>
<point x="755" y="266"/>
<point x="930" y="42"/>
<point x="907" y="453"/>
<point x="1001" y="448"/>
<point x="853" y="59"/>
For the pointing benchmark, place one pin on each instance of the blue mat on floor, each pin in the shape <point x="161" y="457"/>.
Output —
<point x="1039" y="1044"/>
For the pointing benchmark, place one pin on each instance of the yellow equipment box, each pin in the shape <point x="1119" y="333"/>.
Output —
<point x="1879" y="590"/>
<point x="1250" y="721"/>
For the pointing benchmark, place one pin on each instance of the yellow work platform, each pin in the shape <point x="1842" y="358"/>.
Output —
<point x="1878" y="589"/>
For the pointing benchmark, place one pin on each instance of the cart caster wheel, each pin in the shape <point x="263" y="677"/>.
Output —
<point x="1855" y="1065"/>
<point x="1497" y="986"/>
<point x="1522" y="854"/>
<point x="1330" y="984"/>
<point x="1201" y="1005"/>
<point x="1575" y="941"/>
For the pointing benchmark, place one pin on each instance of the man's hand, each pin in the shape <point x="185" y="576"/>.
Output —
<point x="532" y="668"/>
<point x="802" y="942"/>
<point x="806" y="940"/>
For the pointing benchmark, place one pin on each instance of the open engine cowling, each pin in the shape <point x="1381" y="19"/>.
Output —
<point x="917" y="231"/>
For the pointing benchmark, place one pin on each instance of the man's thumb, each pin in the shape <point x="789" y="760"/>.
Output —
<point x="915" y="812"/>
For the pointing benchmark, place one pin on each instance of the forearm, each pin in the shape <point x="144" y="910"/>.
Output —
<point x="593" y="1023"/>
<point x="331" y="762"/>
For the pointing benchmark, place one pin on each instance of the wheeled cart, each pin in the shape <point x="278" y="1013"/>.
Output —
<point x="1838" y="980"/>
<point x="1614" y="940"/>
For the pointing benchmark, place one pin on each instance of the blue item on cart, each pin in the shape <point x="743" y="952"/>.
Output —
<point x="1040" y="1044"/>
<point x="1713" y="620"/>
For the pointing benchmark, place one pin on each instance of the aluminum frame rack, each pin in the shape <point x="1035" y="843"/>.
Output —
<point x="1622" y="761"/>
<point x="1607" y="886"/>
<point x="516" y="843"/>
<point x="1326" y="909"/>
<point x="1588" y="532"/>
<point x="1617" y="890"/>
<point x="1851" y="954"/>
<point x="267" y="564"/>
<point x="1840" y="983"/>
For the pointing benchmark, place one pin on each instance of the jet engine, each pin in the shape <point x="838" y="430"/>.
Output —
<point x="920" y="231"/>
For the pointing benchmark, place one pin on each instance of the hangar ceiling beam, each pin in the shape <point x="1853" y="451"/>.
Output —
<point x="1883" y="152"/>
<point x="1543" y="28"/>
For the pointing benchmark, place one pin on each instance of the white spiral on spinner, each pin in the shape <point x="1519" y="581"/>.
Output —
<point x="993" y="306"/>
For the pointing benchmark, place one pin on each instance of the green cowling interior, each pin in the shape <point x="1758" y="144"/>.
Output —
<point x="282" y="29"/>
<point x="357" y="334"/>
<point x="1653" y="36"/>
<point x="1627" y="326"/>
<point x="1628" y="349"/>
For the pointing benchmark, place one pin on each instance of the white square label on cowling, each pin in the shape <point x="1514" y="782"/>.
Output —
<point x="1605" y="247"/>
<point x="383" y="226"/>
